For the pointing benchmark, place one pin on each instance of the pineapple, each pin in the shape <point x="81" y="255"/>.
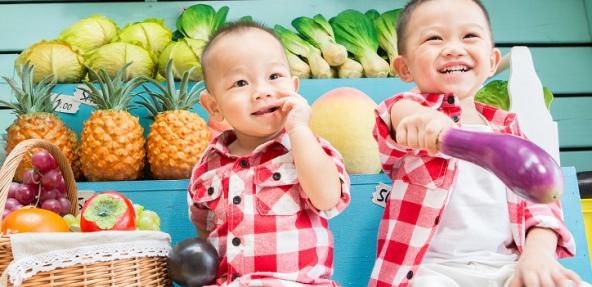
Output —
<point x="177" y="137"/>
<point x="112" y="144"/>
<point x="36" y="119"/>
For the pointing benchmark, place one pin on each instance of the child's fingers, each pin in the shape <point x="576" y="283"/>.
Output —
<point x="412" y="139"/>
<point x="571" y="276"/>
<point x="516" y="280"/>
<point x="401" y="135"/>
<point x="530" y="279"/>
<point x="545" y="279"/>
<point x="432" y="131"/>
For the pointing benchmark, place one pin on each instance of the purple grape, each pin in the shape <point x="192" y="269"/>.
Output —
<point x="12" y="204"/>
<point x="5" y="213"/>
<point x="65" y="204"/>
<point x="25" y="194"/>
<point x="12" y="189"/>
<point x="50" y="179"/>
<point x="52" y="205"/>
<point x="48" y="194"/>
<point x="43" y="161"/>
<point x="31" y="177"/>
<point x="61" y="185"/>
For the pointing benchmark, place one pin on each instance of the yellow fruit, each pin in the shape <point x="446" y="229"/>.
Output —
<point x="112" y="146"/>
<point x="345" y="117"/>
<point x="176" y="141"/>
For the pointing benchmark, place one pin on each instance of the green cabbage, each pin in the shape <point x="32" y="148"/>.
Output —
<point x="185" y="54"/>
<point x="495" y="93"/>
<point x="150" y="34"/>
<point x="356" y="32"/>
<point x="200" y="21"/>
<point x="318" y="32"/>
<point x="53" y="58"/>
<point x="319" y="68"/>
<point x="112" y="57"/>
<point x="90" y="33"/>
<point x="372" y="14"/>
<point x="350" y="69"/>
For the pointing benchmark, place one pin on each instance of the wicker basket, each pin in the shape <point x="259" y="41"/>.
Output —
<point x="142" y="271"/>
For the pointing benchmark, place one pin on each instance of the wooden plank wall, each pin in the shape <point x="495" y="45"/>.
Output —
<point x="557" y="31"/>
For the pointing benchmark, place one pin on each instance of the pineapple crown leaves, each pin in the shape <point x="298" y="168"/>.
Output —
<point x="168" y="98"/>
<point x="112" y="93"/>
<point x="30" y="97"/>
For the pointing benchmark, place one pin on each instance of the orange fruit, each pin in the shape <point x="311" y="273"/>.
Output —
<point x="33" y="220"/>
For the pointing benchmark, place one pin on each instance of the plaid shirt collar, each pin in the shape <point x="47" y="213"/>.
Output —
<point x="221" y="143"/>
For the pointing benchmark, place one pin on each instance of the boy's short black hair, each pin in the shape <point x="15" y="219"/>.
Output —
<point x="406" y="15"/>
<point x="229" y="28"/>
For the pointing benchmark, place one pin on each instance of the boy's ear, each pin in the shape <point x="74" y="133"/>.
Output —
<point x="496" y="59"/>
<point x="210" y="105"/>
<point x="402" y="69"/>
<point x="296" y="83"/>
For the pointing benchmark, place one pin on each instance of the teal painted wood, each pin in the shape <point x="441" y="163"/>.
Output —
<point x="354" y="230"/>
<point x="540" y="21"/>
<point x="569" y="108"/>
<point x="581" y="160"/>
<point x="588" y="4"/>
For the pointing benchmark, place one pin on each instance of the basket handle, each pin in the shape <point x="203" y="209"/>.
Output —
<point x="16" y="155"/>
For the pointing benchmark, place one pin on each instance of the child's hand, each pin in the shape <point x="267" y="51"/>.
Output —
<point x="421" y="130"/>
<point x="295" y="109"/>
<point x="536" y="269"/>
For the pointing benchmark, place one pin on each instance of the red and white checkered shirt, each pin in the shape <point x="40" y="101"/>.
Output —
<point x="262" y="223"/>
<point x="421" y="188"/>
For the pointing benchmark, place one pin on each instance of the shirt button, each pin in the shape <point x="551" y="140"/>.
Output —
<point x="236" y="241"/>
<point x="243" y="163"/>
<point x="210" y="190"/>
<point x="450" y="100"/>
<point x="276" y="176"/>
<point x="409" y="275"/>
<point x="236" y="200"/>
<point x="455" y="119"/>
<point x="437" y="220"/>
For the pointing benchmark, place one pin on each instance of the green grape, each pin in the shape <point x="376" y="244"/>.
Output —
<point x="152" y="215"/>
<point x="138" y="209"/>
<point x="145" y="222"/>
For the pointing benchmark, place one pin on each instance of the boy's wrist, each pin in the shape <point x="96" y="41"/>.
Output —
<point x="297" y="129"/>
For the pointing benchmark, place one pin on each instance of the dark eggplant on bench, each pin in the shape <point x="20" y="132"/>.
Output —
<point x="193" y="262"/>
<point x="521" y="165"/>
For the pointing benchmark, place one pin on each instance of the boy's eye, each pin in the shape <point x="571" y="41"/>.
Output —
<point x="471" y="35"/>
<point x="240" y="83"/>
<point x="274" y="76"/>
<point x="433" y="38"/>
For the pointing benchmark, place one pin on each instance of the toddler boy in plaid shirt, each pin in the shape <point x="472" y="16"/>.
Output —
<point x="262" y="192"/>
<point x="448" y="222"/>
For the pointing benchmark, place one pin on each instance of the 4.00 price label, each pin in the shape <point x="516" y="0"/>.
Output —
<point x="66" y="104"/>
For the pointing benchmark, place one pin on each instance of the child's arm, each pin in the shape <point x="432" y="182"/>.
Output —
<point x="317" y="172"/>
<point x="538" y="265"/>
<point x="417" y="126"/>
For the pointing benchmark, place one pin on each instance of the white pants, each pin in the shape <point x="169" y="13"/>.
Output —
<point x="464" y="275"/>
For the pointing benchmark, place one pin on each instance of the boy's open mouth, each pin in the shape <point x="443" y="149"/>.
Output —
<point x="454" y="69"/>
<point x="266" y="110"/>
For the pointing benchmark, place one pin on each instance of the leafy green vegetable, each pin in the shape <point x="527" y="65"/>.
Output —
<point x="150" y="34"/>
<point x="357" y="33"/>
<point x="90" y="33"/>
<point x="319" y="68"/>
<point x="186" y="55"/>
<point x="53" y="58"/>
<point x="386" y="29"/>
<point x="495" y="93"/>
<point x="372" y="14"/>
<point x="112" y="57"/>
<point x="298" y="67"/>
<point x="318" y="32"/>
<point x="200" y="21"/>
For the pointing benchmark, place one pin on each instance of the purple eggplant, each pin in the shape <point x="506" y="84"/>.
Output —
<point x="521" y="165"/>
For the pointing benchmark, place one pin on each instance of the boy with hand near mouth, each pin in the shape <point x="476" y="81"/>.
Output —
<point x="262" y="192"/>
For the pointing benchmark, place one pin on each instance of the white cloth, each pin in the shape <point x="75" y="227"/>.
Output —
<point x="475" y="226"/>
<point x="467" y="275"/>
<point x="38" y="252"/>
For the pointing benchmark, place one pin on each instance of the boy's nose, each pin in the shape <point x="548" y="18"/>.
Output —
<point x="453" y="49"/>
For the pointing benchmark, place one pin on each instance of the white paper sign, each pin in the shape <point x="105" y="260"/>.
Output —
<point x="381" y="194"/>
<point x="82" y="96"/>
<point x="65" y="104"/>
<point x="83" y="195"/>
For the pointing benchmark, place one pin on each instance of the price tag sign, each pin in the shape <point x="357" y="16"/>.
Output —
<point x="381" y="194"/>
<point x="83" y="195"/>
<point x="81" y="95"/>
<point x="65" y="104"/>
